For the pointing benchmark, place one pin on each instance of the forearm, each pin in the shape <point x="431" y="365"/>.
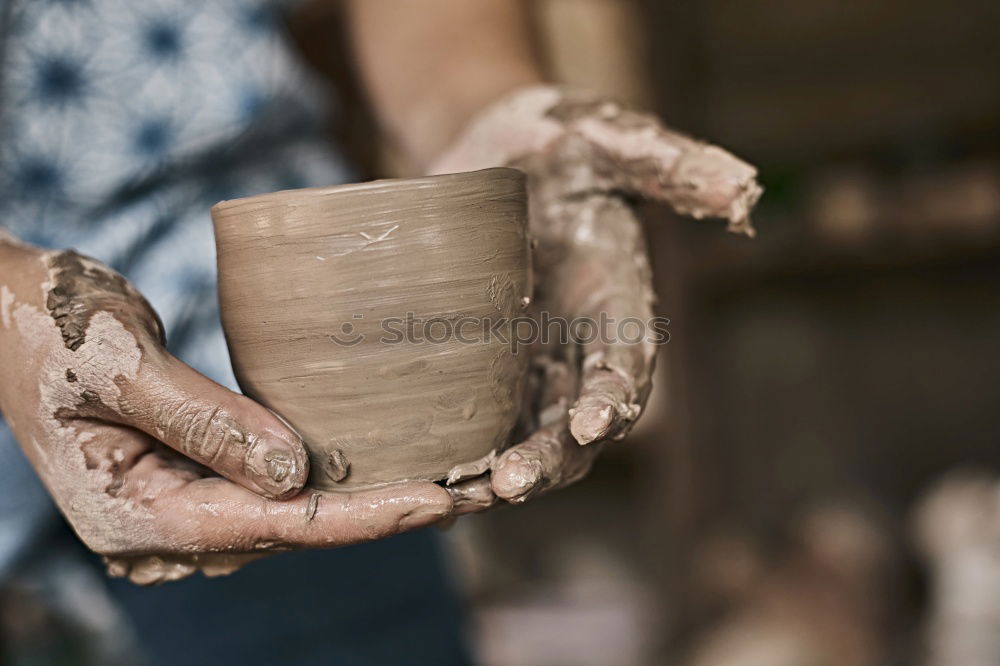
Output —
<point x="21" y="278"/>
<point x="17" y="272"/>
<point x="430" y="66"/>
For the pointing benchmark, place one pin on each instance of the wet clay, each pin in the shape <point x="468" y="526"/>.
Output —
<point x="637" y="154"/>
<point x="588" y="159"/>
<point x="316" y="289"/>
<point x="81" y="287"/>
<point x="116" y="427"/>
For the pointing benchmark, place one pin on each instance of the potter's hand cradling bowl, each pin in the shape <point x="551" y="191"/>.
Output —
<point x="586" y="158"/>
<point x="131" y="442"/>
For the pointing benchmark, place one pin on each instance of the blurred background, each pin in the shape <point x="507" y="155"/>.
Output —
<point x="816" y="482"/>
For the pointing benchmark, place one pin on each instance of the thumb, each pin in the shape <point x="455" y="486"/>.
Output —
<point x="225" y="431"/>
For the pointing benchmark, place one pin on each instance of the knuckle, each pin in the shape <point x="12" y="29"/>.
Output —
<point x="549" y="444"/>
<point x="200" y="431"/>
<point x="367" y="521"/>
<point x="271" y="532"/>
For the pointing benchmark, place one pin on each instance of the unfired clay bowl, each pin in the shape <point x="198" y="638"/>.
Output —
<point x="315" y="287"/>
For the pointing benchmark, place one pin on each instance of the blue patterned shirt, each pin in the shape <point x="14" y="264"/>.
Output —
<point x="121" y="123"/>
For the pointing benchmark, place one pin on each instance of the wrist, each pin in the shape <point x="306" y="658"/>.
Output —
<point x="437" y="118"/>
<point x="510" y="127"/>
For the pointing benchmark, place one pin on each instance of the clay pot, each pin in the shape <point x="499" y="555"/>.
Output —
<point x="361" y="315"/>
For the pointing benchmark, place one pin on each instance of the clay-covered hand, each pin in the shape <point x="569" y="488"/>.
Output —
<point x="587" y="160"/>
<point x="133" y="445"/>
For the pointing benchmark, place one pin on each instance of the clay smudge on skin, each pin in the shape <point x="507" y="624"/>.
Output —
<point x="608" y="273"/>
<point x="312" y="507"/>
<point x="6" y="300"/>
<point x="279" y="465"/>
<point x="94" y="500"/>
<point x="80" y="287"/>
<point x="692" y="168"/>
<point x="588" y="159"/>
<point x="695" y="178"/>
<point x="472" y="496"/>
<point x="611" y="401"/>
<point x="153" y="513"/>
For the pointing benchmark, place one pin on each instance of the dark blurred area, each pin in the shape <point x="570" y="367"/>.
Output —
<point x="816" y="481"/>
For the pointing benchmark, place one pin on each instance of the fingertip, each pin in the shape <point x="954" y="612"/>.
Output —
<point x="431" y="504"/>
<point x="440" y="497"/>
<point x="515" y="476"/>
<point x="277" y="465"/>
<point x="605" y="409"/>
<point x="231" y="434"/>
<point x="592" y="423"/>
<point x="472" y="496"/>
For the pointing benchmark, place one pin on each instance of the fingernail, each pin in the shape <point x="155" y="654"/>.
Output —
<point x="591" y="424"/>
<point x="276" y="467"/>
<point x="425" y="514"/>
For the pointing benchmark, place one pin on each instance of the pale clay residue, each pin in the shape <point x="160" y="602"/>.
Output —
<point x="521" y="124"/>
<point x="6" y="300"/>
<point x="109" y="351"/>
<point x="312" y="507"/>
<point x="152" y="569"/>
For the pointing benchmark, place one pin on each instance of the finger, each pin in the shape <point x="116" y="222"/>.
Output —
<point x="652" y="161"/>
<point x="607" y="272"/>
<point x="646" y="158"/>
<point x="612" y="394"/>
<point x="116" y="369"/>
<point x="549" y="457"/>
<point x="693" y="177"/>
<point x="617" y="367"/>
<point x="609" y="284"/>
<point x="225" y="431"/>
<point x="213" y="514"/>
<point x="472" y="496"/>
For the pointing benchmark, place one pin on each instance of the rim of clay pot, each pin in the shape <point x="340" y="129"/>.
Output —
<point x="284" y="197"/>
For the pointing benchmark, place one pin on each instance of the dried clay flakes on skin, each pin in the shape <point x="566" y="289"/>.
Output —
<point x="695" y="178"/>
<point x="109" y="351"/>
<point x="6" y="301"/>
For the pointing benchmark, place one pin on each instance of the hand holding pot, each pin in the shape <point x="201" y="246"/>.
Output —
<point x="131" y="442"/>
<point x="586" y="159"/>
